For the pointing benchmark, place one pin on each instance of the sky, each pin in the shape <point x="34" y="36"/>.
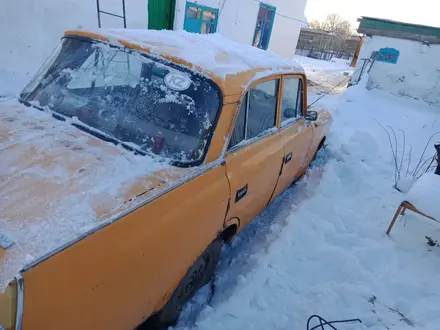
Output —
<point x="419" y="12"/>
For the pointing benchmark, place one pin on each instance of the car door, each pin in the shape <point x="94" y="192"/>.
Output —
<point x="296" y="133"/>
<point x="255" y="153"/>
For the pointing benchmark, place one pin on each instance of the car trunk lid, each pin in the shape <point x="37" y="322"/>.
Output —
<point x="57" y="182"/>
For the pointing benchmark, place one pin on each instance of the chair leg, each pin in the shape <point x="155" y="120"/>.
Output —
<point x="403" y="211"/>
<point x="399" y="210"/>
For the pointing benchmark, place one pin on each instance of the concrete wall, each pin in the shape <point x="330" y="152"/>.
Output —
<point x="238" y="18"/>
<point x="416" y="73"/>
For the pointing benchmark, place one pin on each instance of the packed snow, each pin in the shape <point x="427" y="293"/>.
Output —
<point x="425" y="194"/>
<point x="324" y="75"/>
<point x="220" y="55"/>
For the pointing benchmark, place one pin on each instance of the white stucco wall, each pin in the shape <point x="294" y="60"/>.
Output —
<point x="30" y="29"/>
<point x="416" y="73"/>
<point x="238" y="18"/>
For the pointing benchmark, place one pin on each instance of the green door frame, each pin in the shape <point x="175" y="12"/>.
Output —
<point x="155" y="22"/>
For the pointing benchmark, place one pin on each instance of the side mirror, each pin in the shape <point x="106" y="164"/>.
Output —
<point x="289" y="113"/>
<point x="311" y="116"/>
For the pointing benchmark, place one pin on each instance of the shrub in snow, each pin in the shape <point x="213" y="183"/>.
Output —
<point x="405" y="173"/>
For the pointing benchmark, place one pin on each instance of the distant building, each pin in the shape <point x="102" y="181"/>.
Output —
<point x="401" y="58"/>
<point x="325" y="45"/>
<point x="37" y="26"/>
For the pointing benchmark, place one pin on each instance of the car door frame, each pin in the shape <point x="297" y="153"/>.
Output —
<point x="283" y="181"/>
<point x="246" y="90"/>
<point x="240" y="146"/>
<point x="304" y="107"/>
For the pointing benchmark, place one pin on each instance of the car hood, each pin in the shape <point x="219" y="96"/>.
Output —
<point x="57" y="182"/>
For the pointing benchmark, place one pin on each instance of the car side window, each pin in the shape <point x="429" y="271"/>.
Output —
<point x="291" y="105"/>
<point x="257" y="112"/>
<point x="262" y="108"/>
<point x="238" y="134"/>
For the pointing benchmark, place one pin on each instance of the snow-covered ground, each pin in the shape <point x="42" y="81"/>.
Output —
<point x="324" y="75"/>
<point x="321" y="247"/>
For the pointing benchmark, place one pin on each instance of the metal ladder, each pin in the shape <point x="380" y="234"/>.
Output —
<point x="123" y="17"/>
<point x="99" y="11"/>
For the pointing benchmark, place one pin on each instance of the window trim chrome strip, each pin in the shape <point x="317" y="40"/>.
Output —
<point x="237" y="147"/>
<point x="20" y="302"/>
<point x="246" y="116"/>
<point x="200" y="171"/>
<point x="290" y="123"/>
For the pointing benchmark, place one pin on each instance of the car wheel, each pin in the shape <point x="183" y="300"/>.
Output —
<point x="197" y="276"/>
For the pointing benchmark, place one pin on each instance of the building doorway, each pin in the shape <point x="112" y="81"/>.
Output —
<point x="161" y="14"/>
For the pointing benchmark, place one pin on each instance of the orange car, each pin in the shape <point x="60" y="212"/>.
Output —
<point x="126" y="163"/>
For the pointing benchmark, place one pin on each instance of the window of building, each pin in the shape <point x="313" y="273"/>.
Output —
<point x="200" y="19"/>
<point x="263" y="29"/>
<point x="292" y="100"/>
<point x="257" y="112"/>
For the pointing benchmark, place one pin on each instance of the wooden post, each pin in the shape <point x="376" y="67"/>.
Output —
<point x="399" y="210"/>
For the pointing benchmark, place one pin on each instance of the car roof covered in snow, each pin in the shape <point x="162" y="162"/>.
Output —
<point x="231" y="65"/>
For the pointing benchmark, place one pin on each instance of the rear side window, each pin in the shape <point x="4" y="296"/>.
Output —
<point x="291" y="104"/>
<point x="238" y="134"/>
<point x="257" y="113"/>
<point x="262" y="108"/>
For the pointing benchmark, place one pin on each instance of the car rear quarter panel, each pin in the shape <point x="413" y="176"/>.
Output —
<point x="118" y="276"/>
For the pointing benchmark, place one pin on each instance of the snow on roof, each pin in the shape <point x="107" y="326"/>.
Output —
<point x="424" y="195"/>
<point x="210" y="52"/>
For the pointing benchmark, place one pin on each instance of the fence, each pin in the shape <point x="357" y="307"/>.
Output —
<point x="326" y="45"/>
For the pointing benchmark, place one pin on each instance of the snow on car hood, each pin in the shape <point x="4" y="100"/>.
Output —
<point x="57" y="182"/>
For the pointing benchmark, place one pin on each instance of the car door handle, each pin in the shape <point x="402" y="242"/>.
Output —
<point x="288" y="158"/>
<point x="241" y="193"/>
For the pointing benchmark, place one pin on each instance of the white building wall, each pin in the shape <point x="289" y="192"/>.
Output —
<point x="237" y="20"/>
<point x="30" y="30"/>
<point x="416" y="73"/>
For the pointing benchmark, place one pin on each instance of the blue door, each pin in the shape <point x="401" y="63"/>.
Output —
<point x="200" y="19"/>
<point x="263" y="28"/>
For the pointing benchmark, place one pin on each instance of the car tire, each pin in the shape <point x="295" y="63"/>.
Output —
<point x="197" y="276"/>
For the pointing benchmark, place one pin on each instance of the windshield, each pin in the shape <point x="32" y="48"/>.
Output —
<point x="138" y="100"/>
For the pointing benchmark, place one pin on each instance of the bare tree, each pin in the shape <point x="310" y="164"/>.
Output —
<point x="333" y="23"/>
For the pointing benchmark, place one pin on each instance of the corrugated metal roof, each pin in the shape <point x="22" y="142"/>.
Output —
<point x="372" y="23"/>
